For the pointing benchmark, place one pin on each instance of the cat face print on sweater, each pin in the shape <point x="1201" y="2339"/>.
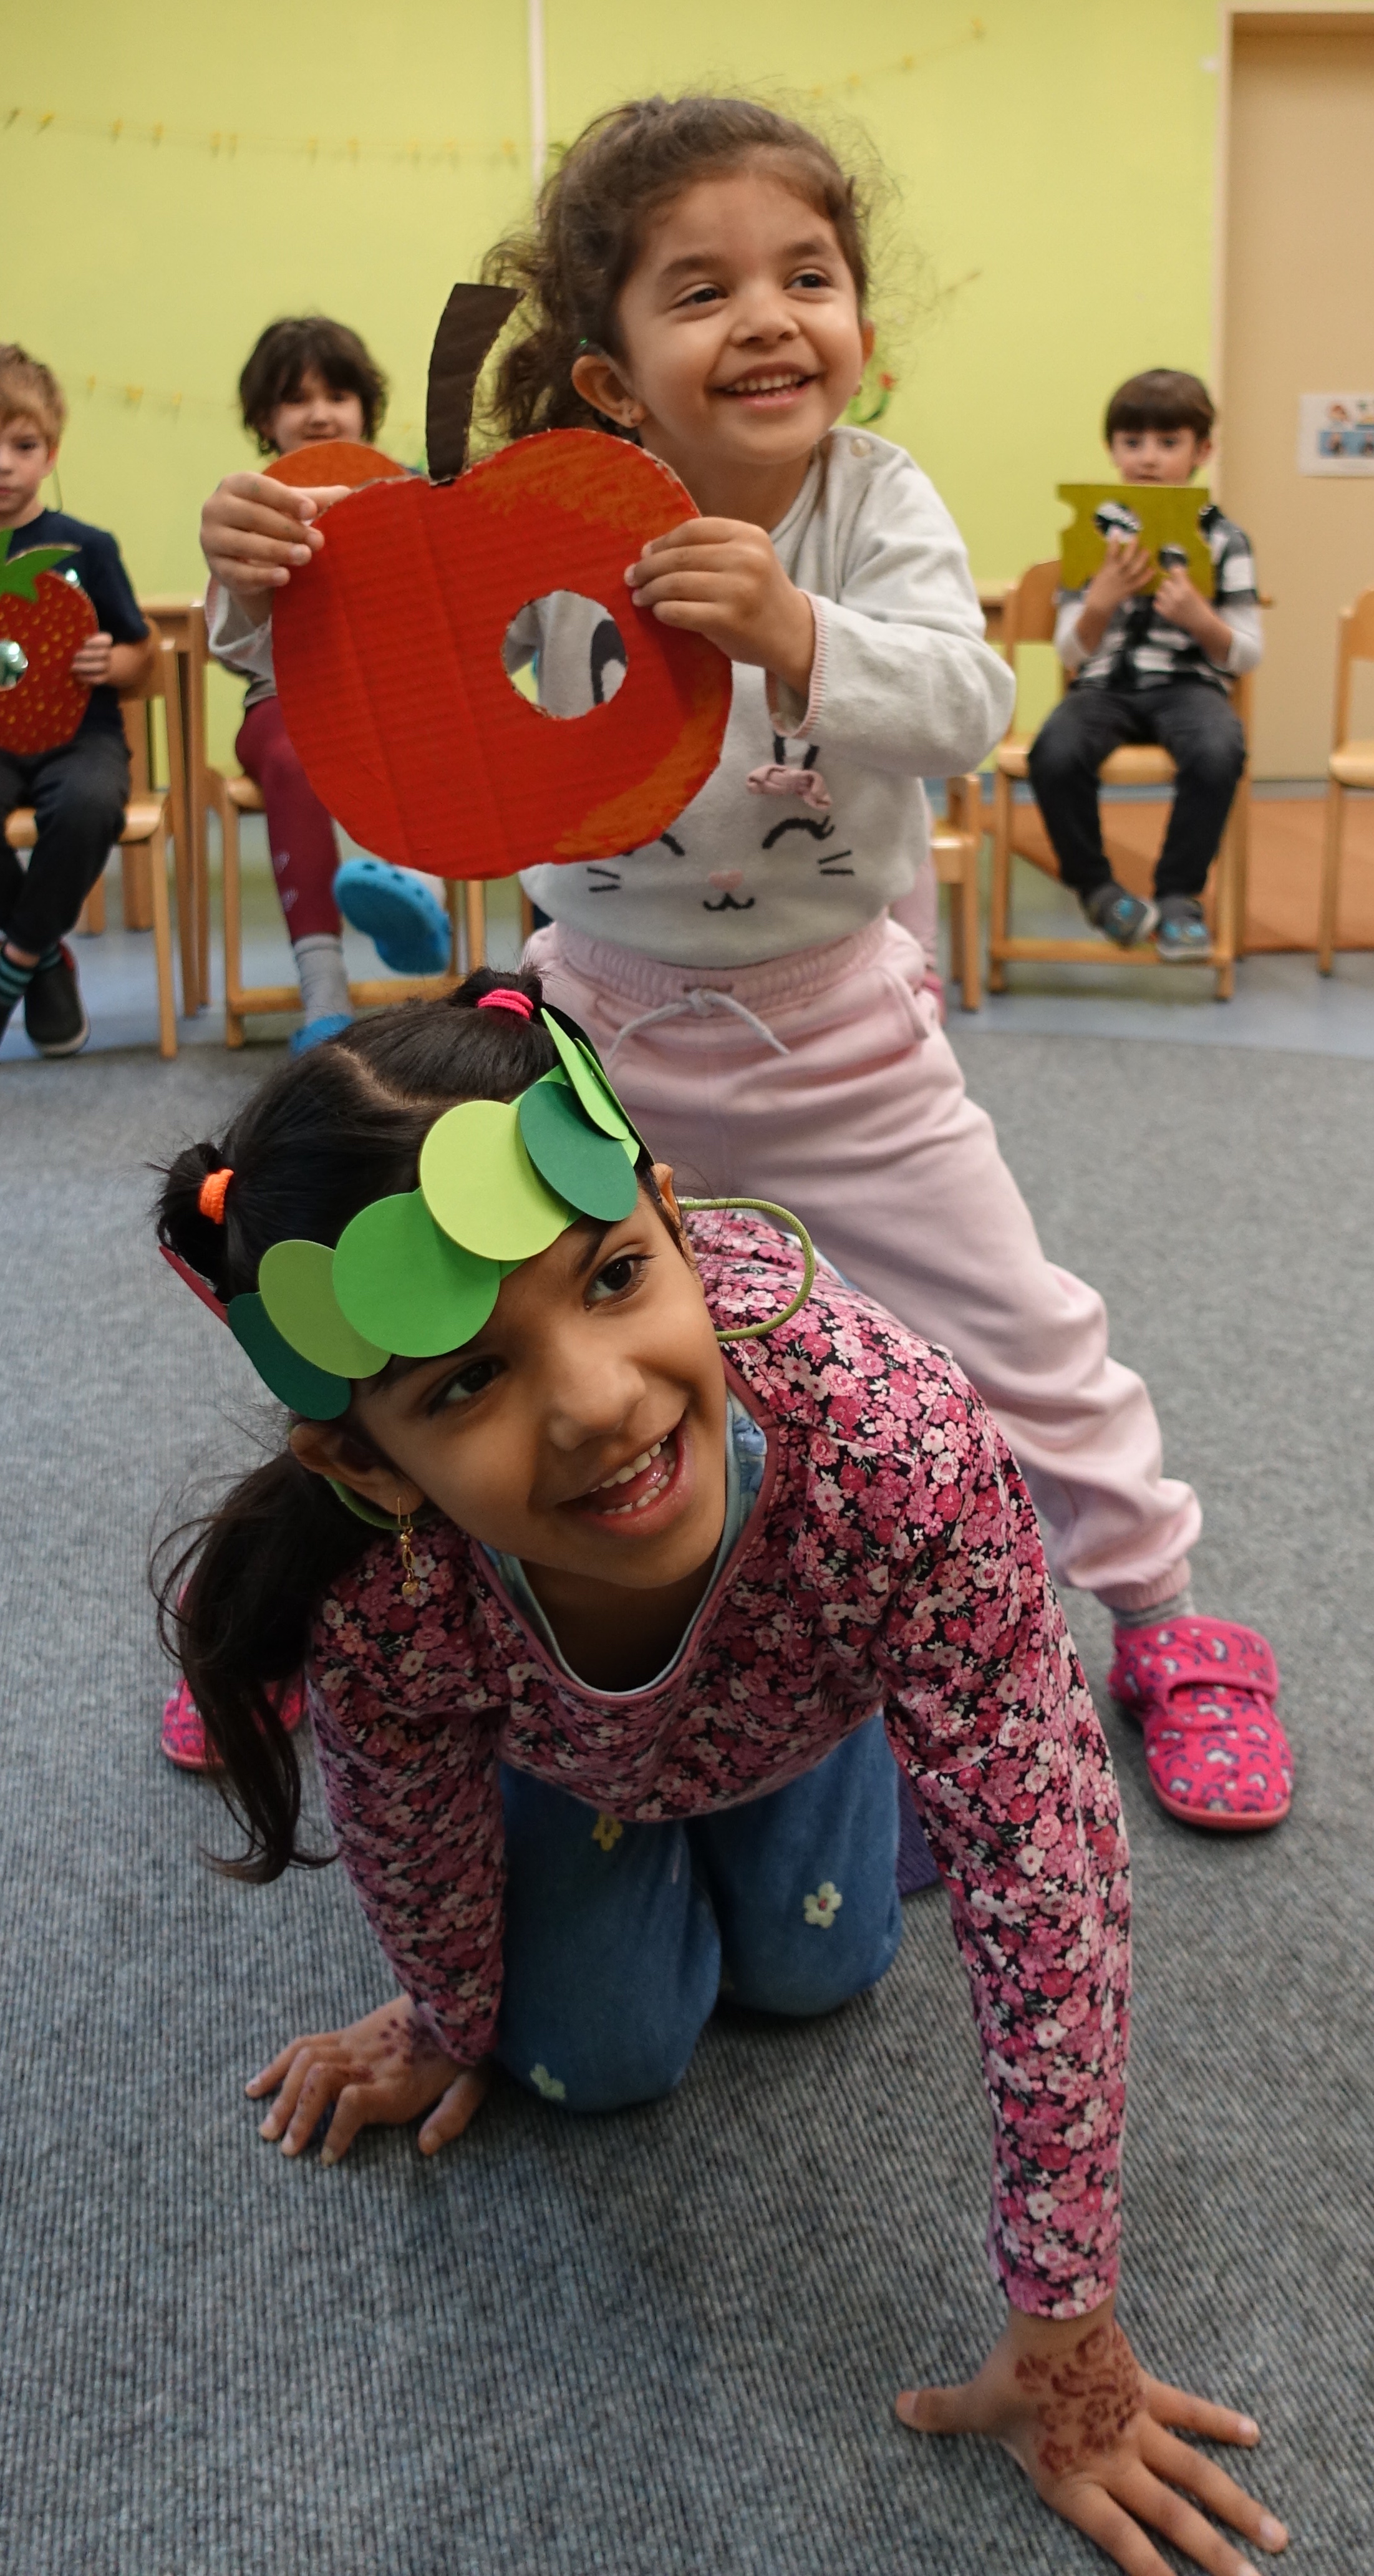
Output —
<point x="809" y="836"/>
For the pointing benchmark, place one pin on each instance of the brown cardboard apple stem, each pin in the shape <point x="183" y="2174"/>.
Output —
<point x="468" y="327"/>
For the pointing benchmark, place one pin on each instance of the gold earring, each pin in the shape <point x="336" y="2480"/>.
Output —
<point x="410" y="1581"/>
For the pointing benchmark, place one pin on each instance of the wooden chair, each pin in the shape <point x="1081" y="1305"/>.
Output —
<point x="228" y="798"/>
<point x="1351" y="764"/>
<point x="956" y="843"/>
<point x="1028" y="617"/>
<point x="144" y="838"/>
<point x="179" y="616"/>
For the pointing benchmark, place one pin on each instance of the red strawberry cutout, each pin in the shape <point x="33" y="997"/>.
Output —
<point x="388" y="646"/>
<point x="44" y="621"/>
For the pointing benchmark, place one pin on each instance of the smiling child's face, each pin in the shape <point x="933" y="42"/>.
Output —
<point x="741" y="328"/>
<point x="582" y="1430"/>
<point x="313" y="414"/>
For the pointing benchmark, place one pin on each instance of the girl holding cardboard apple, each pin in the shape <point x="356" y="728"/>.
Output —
<point x="696" y="280"/>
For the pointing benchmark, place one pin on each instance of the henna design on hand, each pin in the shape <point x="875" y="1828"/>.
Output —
<point x="1084" y="2399"/>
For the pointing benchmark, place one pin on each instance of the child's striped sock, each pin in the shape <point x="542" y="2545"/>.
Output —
<point x="14" y="984"/>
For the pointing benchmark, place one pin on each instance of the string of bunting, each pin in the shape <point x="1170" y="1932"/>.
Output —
<point x="173" y="402"/>
<point x="227" y="143"/>
<point x="972" y="35"/>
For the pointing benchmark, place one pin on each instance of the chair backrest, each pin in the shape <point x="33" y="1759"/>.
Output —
<point x="1028" y="614"/>
<point x="135" y="703"/>
<point x="159" y="681"/>
<point x="1355" y="643"/>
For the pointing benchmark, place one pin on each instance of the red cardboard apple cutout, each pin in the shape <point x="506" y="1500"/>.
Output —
<point x="388" y="646"/>
<point x="335" y="460"/>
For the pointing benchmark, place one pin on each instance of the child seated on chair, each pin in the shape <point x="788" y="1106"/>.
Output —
<point x="78" y="791"/>
<point x="1148" y="669"/>
<point x="307" y="381"/>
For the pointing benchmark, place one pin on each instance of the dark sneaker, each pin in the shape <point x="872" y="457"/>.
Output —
<point x="1123" y="917"/>
<point x="54" y="1013"/>
<point x="1182" y="936"/>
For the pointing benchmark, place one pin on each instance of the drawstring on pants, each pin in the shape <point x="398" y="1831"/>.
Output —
<point x="697" y="1003"/>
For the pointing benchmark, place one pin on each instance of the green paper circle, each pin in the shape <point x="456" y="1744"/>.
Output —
<point x="296" y="1285"/>
<point x="481" y="1187"/>
<point x="396" y="1275"/>
<point x="585" y="1167"/>
<point x="315" y="1392"/>
<point x="589" y="1082"/>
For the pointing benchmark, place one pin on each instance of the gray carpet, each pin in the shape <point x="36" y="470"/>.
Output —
<point x="668" y="2341"/>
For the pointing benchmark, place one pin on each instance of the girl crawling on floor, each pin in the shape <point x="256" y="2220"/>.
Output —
<point x="625" y="1563"/>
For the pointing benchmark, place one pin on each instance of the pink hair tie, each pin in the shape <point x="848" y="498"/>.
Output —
<point x="503" y="997"/>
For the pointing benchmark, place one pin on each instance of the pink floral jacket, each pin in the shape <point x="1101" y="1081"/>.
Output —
<point x="892" y="1558"/>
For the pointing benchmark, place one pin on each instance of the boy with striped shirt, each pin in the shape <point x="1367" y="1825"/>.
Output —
<point x="1151" y="669"/>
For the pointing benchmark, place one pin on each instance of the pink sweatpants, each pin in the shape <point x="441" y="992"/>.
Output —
<point x="823" y="1080"/>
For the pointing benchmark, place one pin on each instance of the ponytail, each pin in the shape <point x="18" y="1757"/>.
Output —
<point x="235" y="1608"/>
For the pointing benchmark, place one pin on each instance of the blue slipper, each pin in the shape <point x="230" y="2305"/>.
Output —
<point x="397" y="912"/>
<point x="315" y="1032"/>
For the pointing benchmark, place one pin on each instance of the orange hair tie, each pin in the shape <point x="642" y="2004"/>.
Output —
<point x="212" y="1194"/>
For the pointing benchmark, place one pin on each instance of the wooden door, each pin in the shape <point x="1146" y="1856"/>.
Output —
<point x="1298" y="318"/>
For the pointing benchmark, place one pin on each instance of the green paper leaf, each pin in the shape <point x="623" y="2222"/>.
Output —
<point x="586" y="1167"/>
<point x="19" y="573"/>
<point x="399" y="1276"/>
<point x="296" y="1285"/>
<point x="481" y="1187"/>
<point x="315" y="1392"/>
<point x="589" y="1082"/>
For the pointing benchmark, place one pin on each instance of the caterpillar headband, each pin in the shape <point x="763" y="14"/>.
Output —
<point x="418" y="1273"/>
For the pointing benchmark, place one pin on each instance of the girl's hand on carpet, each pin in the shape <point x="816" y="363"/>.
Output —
<point x="1095" y="2436"/>
<point x="385" y="2068"/>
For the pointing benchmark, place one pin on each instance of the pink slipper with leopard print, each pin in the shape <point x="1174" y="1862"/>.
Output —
<point x="183" y="1736"/>
<point x="1204" y="1691"/>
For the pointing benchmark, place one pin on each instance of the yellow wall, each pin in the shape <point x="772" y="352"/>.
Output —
<point x="1056" y="177"/>
<point x="157" y="265"/>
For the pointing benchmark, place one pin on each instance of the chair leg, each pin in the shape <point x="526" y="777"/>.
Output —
<point x="138" y="894"/>
<point x="233" y="921"/>
<point x="90" y="921"/>
<point x="1000" y="905"/>
<point x="162" y="943"/>
<point x="956" y="938"/>
<point x="1240" y="820"/>
<point x="187" y="933"/>
<point x="1331" y="876"/>
<point x="967" y="898"/>
<point x="475" y="914"/>
<point x="1224" y="941"/>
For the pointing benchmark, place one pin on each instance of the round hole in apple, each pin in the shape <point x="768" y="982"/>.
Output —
<point x="564" y="653"/>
